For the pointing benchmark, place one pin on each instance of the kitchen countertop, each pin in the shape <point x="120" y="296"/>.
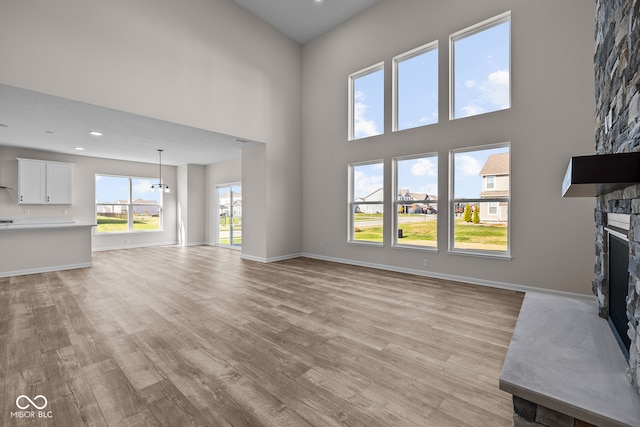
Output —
<point x="41" y="223"/>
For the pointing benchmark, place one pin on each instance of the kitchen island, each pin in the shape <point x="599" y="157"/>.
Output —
<point x="38" y="245"/>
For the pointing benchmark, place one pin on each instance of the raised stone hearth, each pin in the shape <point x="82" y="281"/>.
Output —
<point x="564" y="367"/>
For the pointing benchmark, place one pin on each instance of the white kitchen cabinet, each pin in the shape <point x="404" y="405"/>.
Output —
<point x="43" y="182"/>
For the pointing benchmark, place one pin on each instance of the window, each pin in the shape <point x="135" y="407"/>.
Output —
<point x="480" y="68"/>
<point x="127" y="204"/>
<point x="416" y="201"/>
<point x="415" y="79"/>
<point x="490" y="182"/>
<point x="229" y="219"/>
<point x="480" y="216"/>
<point x="493" y="208"/>
<point x="367" y="202"/>
<point x="366" y="102"/>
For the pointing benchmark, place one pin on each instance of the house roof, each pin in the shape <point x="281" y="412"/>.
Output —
<point x="418" y="197"/>
<point x="496" y="164"/>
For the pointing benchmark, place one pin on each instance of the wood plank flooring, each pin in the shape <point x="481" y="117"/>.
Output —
<point x="172" y="336"/>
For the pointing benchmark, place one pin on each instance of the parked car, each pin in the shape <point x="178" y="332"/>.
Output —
<point x="429" y="210"/>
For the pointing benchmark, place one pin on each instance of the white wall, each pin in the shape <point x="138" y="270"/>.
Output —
<point x="552" y="118"/>
<point x="192" y="192"/>
<point x="83" y="207"/>
<point x="202" y="63"/>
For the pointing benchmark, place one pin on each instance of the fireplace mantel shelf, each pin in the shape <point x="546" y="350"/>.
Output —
<point x="564" y="357"/>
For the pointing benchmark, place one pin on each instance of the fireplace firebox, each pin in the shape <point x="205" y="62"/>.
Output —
<point x="618" y="290"/>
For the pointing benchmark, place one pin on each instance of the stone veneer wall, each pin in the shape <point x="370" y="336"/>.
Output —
<point x="617" y="73"/>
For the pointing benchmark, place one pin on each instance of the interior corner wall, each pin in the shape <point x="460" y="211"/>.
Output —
<point x="254" y="203"/>
<point x="207" y="64"/>
<point x="551" y="119"/>
<point x="191" y="204"/>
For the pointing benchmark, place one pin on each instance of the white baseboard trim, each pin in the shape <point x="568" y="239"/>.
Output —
<point x="268" y="260"/>
<point x="463" y="279"/>
<point x="45" y="269"/>
<point x="145" y="245"/>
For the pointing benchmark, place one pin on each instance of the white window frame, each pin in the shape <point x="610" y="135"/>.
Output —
<point x="396" y="201"/>
<point x="395" y="61"/>
<point x="453" y="202"/>
<point x="130" y="205"/>
<point x="469" y="31"/>
<point x="352" y="77"/>
<point x="352" y="204"/>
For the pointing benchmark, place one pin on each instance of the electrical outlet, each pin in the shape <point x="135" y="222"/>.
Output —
<point x="425" y="263"/>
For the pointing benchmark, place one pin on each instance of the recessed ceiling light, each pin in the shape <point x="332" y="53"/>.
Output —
<point x="49" y="131"/>
<point x="95" y="133"/>
<point x="3" y="125"/>
<point x="79" y="148"/>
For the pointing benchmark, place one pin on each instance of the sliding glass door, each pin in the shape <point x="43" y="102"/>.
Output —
<point x="229" y="218"/>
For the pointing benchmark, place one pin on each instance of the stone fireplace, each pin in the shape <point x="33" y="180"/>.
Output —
<point x="617" y="73"/>
<point x="565" y="366"/>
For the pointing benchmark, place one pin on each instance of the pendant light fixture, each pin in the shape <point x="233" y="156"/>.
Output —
<point x="160" y="187"/>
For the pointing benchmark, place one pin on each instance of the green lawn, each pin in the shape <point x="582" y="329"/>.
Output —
<point x="467" y="235"/>
<point x="115" y="225"/>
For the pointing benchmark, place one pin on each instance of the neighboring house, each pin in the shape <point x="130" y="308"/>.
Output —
<point x="495" y="184"/>
<point x="376" y="196"/>
<point x="412" y="203"/>
<point x="120" y="208"/>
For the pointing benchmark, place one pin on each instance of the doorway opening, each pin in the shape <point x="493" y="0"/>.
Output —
<point x="229" y="217"/>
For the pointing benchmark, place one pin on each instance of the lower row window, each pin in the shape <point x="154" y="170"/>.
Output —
<point x="479" y="199"/>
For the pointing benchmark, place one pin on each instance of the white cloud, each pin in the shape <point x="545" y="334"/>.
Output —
<point x="468" y="165"/>
<point x="496" y="88"/>
<point x="365" y="184"/>
<point x="362" y="127"/>
<point x="472" y="110"/>
<point x="491" y="94"/>
<point x="424" y="167"/>
<point x="142" y="186"/>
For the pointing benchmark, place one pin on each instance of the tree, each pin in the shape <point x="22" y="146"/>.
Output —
<point x="467" y="213"/>
<point x="476" y="215"/>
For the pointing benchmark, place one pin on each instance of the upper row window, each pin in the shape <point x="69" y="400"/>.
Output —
<point x="367" y="102"/>
<point x="480" y="81"/>
<point x="480" y="66"/>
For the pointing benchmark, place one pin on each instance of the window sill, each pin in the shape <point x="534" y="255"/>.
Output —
<point x="432" y="249"/>
<point x="365" y="243"/>
<point x="485" y="254"/>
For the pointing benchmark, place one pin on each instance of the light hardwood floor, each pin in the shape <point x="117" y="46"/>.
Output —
<point x="197" y="336"/>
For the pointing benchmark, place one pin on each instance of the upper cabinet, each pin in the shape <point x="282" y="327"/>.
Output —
<point x="43" y="182"/>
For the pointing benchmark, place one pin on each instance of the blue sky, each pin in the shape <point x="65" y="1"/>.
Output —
<point x="420" y="175"/>
<point x="112" y="188"/>
<point x="482" y="71"/>
<point x="368" y="105"/>
<point x="367" y="179"/>
<point x="481" y="84"/>
<point x="467" y="166"/>
<point x="418" y="90"/>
